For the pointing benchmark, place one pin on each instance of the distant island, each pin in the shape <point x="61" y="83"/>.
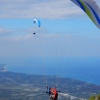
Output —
<point x="19" y="86"/>
<point x="3" y="68"/>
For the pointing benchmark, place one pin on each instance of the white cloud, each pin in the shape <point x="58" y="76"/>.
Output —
<point x="5" y="32"/>
<point x="24" y="44"/>
<point x="38" y="9"/>
<point x="49" y="46"/>
<point x="21" y="33"/>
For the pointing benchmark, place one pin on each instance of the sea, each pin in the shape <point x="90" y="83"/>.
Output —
<point x="84" y="69"/>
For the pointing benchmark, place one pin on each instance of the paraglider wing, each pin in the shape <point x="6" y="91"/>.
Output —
<point x="35" y="21"/>
<point x="91" y="9"/>
<point x="39" y="24"/>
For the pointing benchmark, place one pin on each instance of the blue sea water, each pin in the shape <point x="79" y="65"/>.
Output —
<point x="85" y="69"/>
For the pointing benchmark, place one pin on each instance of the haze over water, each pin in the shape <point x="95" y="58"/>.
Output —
<point x="86" y="69"/>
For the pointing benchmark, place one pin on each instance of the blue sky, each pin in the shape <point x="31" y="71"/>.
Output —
<point x="66" y="31"/>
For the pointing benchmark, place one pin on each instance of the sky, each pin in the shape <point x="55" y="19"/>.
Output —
<point x="66" y="31"/>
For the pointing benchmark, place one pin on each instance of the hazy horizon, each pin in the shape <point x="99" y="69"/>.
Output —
<point x="86" y="69"/>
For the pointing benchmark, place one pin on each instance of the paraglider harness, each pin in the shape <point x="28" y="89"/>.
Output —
<point x="53" y="93"/>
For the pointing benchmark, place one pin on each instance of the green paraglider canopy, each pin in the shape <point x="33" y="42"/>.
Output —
<point x="91" y="9"/>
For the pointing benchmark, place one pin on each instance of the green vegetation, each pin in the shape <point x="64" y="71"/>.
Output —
<point x="93" y="97"/>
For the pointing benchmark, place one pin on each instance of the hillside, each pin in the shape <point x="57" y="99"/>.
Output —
<point x="14" y="84"/>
